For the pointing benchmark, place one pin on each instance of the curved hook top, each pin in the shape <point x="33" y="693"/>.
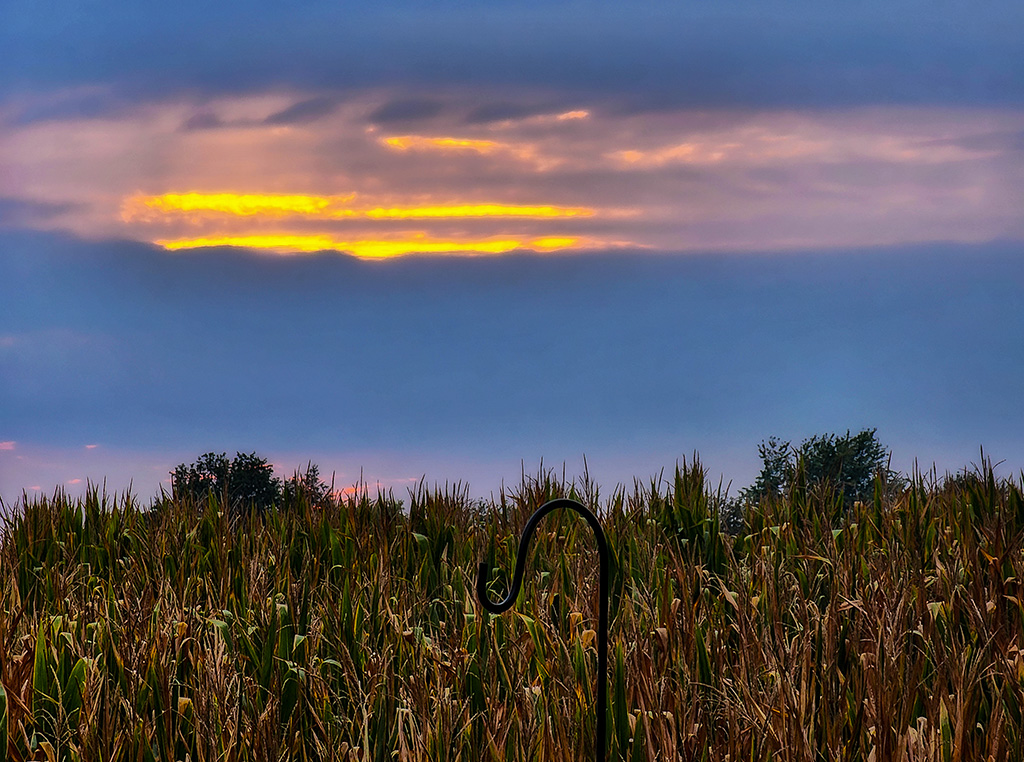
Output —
<point x="524" y="545"/>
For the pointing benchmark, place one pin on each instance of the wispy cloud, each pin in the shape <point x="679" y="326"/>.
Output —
<point x="777" y="144"/>
<point x="523" y="152"/>
<point x="8" y="446"/>
<point x="503" y="114"/>
<point x="304" y="111"/>
<point x="406" y="110"/>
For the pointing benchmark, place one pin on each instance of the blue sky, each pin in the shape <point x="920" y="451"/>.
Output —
<point x="457" y="240"/>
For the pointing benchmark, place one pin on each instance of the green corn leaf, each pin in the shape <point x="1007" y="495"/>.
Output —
<point x="536" y="634"/>
<point x="269" y="650"/>
<point x="299" y="649"/>
<point x="41" y="686"/>
<point x="284" y="635"/>
<point x="639" y="752"/>
<point x="289" y="692"/>
<point x="72" y="692"/>
<point x="946" y="729"/>
<point x="224" y="629"/>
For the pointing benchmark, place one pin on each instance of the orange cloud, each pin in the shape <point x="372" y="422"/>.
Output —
<point x="683" y="153"/>
<point x="526" y="152"/>
<point x="373" y="248"/>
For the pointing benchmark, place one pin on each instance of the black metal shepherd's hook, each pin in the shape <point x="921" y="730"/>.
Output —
<point x="602" y="620"/>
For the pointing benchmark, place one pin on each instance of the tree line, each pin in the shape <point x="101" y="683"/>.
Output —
<point x="849" y="464"/>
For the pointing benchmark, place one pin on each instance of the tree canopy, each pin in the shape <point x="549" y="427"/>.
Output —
<point x="848" y="463"/>
<point x="247" y="481"/>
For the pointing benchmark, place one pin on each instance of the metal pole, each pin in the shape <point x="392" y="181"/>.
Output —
<point x="602" y="621"/>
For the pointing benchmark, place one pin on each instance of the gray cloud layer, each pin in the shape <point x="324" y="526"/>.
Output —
<point x="647" y="55"/>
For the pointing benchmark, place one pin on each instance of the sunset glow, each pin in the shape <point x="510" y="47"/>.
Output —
<point x="371" y="249"/>
<point x="413" y="142"/>
<point x="241" y="204"/>
<point x="479" y="210"/>
<point x="521" y="151"/>
<point x="148" y="208"/>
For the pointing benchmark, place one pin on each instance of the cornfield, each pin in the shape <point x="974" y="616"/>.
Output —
<point x="347" y="629"/>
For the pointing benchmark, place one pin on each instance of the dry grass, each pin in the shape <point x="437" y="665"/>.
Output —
<point x="348" y="630"/>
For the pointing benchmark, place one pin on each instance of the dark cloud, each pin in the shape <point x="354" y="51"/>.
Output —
<point x="204" y="120"/>
<point x="406" y="110"/>
<point x="989" y="141"/>
<point x="651" y="54"/>
<point x="304" y="111"/>
<point x="87" y="105"/>
<point x="501" y="110"/>
<point x="16" y="212"/>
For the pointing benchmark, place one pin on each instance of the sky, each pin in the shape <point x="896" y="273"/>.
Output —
<point x="459" y="240"/>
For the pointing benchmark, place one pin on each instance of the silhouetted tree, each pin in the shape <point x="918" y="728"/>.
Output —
<point x="247" y="482"/>
<point x="306" y="487"/>
<point x="849" y="463"/>
<point x="777" y="471"/>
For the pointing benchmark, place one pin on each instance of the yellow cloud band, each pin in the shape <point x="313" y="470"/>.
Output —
<point x="324" y="207"/>
<point x="370" y="249"/>
<point x="478" y="210"/>
<point x="241" y="204"/>
<point x="407" y="142"/>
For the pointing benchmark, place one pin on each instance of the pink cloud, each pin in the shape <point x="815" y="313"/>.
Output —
<point x="75" y="481"/>
<point x="91" y="446"/>
<point x="10" y="445"/>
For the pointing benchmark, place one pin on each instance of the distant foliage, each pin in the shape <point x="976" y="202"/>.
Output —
<point x="777" y="473"/>
<point x="247" y="482"/>
<point x="305" y="487"/>
<point x="847" y="464"/>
